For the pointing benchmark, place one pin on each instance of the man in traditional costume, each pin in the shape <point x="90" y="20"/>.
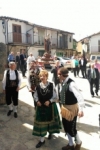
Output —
<point x="72" y="104"/>
<point x="11" y="86"/>
<point x="47" y="118"/>
<point x="33" y="78"/>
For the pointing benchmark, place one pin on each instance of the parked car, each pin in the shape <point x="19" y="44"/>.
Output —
<point x="65" y="61"/>
<point x="92" y="59"/>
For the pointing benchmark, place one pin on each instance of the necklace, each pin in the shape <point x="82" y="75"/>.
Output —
<point x="43" y="90"/>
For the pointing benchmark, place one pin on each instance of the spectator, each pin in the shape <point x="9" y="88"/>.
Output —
<point x="82" y="63"/>
<point x="54" y="71"/>
<point x="11" y="57"/>
<point x="23" y="62"/>
<point x="97" y="65"/>
<point x="93" y="77"/>
<point x="76" y="69"/>
<point x="18" y="60"/>
<point x="29" y="60"/>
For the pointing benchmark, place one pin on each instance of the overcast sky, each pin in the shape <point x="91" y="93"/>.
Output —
<point x="79" y="16"/>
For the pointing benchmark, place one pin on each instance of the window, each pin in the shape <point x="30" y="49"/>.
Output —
<point x="98" y="58"/>
<point x="70" y="39"/>
<point x="41" y="52"/>
<point x="16" y="28"/>
<point x="93" y="57"/>
<point x="65" y="58"/>
<point x="98" y="45"/>
<point x="19" y="29"/>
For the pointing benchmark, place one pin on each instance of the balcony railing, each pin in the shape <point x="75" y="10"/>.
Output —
<point x="19" y="38"/>
<point x="62" y="44"/>
<point x="38" y="40"/>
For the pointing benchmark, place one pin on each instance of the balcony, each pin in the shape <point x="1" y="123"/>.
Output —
<point x="55" y="42"/>
<point x="19" y="38"/>
<point x="38" y="40"/>
<point x="62" y="44"/>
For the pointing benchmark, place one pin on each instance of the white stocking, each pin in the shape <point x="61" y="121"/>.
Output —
<point x="77" y="139"/>
<point x="10" y="107"/>
<point x="15" y="109"/>
<point x="42" y="139"/>
<point x="71" y="143"/>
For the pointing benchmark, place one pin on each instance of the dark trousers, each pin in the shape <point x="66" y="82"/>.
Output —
<point x="70" y="126"/>
<point x="76" y="71"/>
<point x="94" y="82"/>
<point x="23" y="69"/>
<point x="83" y="71"/>
<point x="12" y="96"/>
<point x="18" y="66"/>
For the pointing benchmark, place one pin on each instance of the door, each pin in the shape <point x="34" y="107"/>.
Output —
<point x="17" y="34"/>
<point x="41" y="52"/>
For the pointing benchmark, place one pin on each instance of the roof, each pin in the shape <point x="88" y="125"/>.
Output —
<point x="89" y="36"/>
<point x="20" y="20"/>
<point x="74" y="40"/>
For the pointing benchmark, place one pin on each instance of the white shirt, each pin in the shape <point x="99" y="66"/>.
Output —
<point x="30" y="59"/>
<point x="73" y="88"/>
<point x="82" y="62"/>
<point x="12" y="77"/>
<point x="73" y="63"/>
<point x="93" y="71"/>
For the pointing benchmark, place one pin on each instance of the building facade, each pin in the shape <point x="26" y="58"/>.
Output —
<point x="19" y="34"/>
<point x="90" y="44"/>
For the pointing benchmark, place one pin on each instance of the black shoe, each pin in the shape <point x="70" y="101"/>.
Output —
<point x="96" y="93"/>
<point x="15" y="115"/>
<point x="49" y="136"/>
<point x="24" y="76"/>
<point x="9" y="112"/>
<point x="40" y="144"/>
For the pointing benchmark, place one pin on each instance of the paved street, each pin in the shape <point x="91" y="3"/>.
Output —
<point x="16" y="134"/>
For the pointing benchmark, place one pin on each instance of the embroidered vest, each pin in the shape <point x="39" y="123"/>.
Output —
<point x="67" y="97"/>
<point x="11" y="83"/>
<point x="34" y="78"/>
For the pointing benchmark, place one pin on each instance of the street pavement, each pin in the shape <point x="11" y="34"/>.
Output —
<point x="16" y="133"/>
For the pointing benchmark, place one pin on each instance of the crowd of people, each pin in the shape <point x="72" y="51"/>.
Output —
<point x="92" y="73"/>
<point x="47" y="93"/>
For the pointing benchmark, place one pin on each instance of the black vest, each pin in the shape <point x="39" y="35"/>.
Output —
<point x="70" y="99"/>
<point x="44" y="96"/>
<point x="9" y="82"/>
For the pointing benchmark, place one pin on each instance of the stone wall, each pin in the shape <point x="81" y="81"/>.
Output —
<point x="3" y="60"/>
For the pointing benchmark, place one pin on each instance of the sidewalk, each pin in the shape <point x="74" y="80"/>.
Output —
<point x="16" y="133"/>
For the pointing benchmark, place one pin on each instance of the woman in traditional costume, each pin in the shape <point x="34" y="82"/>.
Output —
<point x="47" y="118"/>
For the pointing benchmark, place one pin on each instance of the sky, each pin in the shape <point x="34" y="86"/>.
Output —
<point x="81" y="17"/>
